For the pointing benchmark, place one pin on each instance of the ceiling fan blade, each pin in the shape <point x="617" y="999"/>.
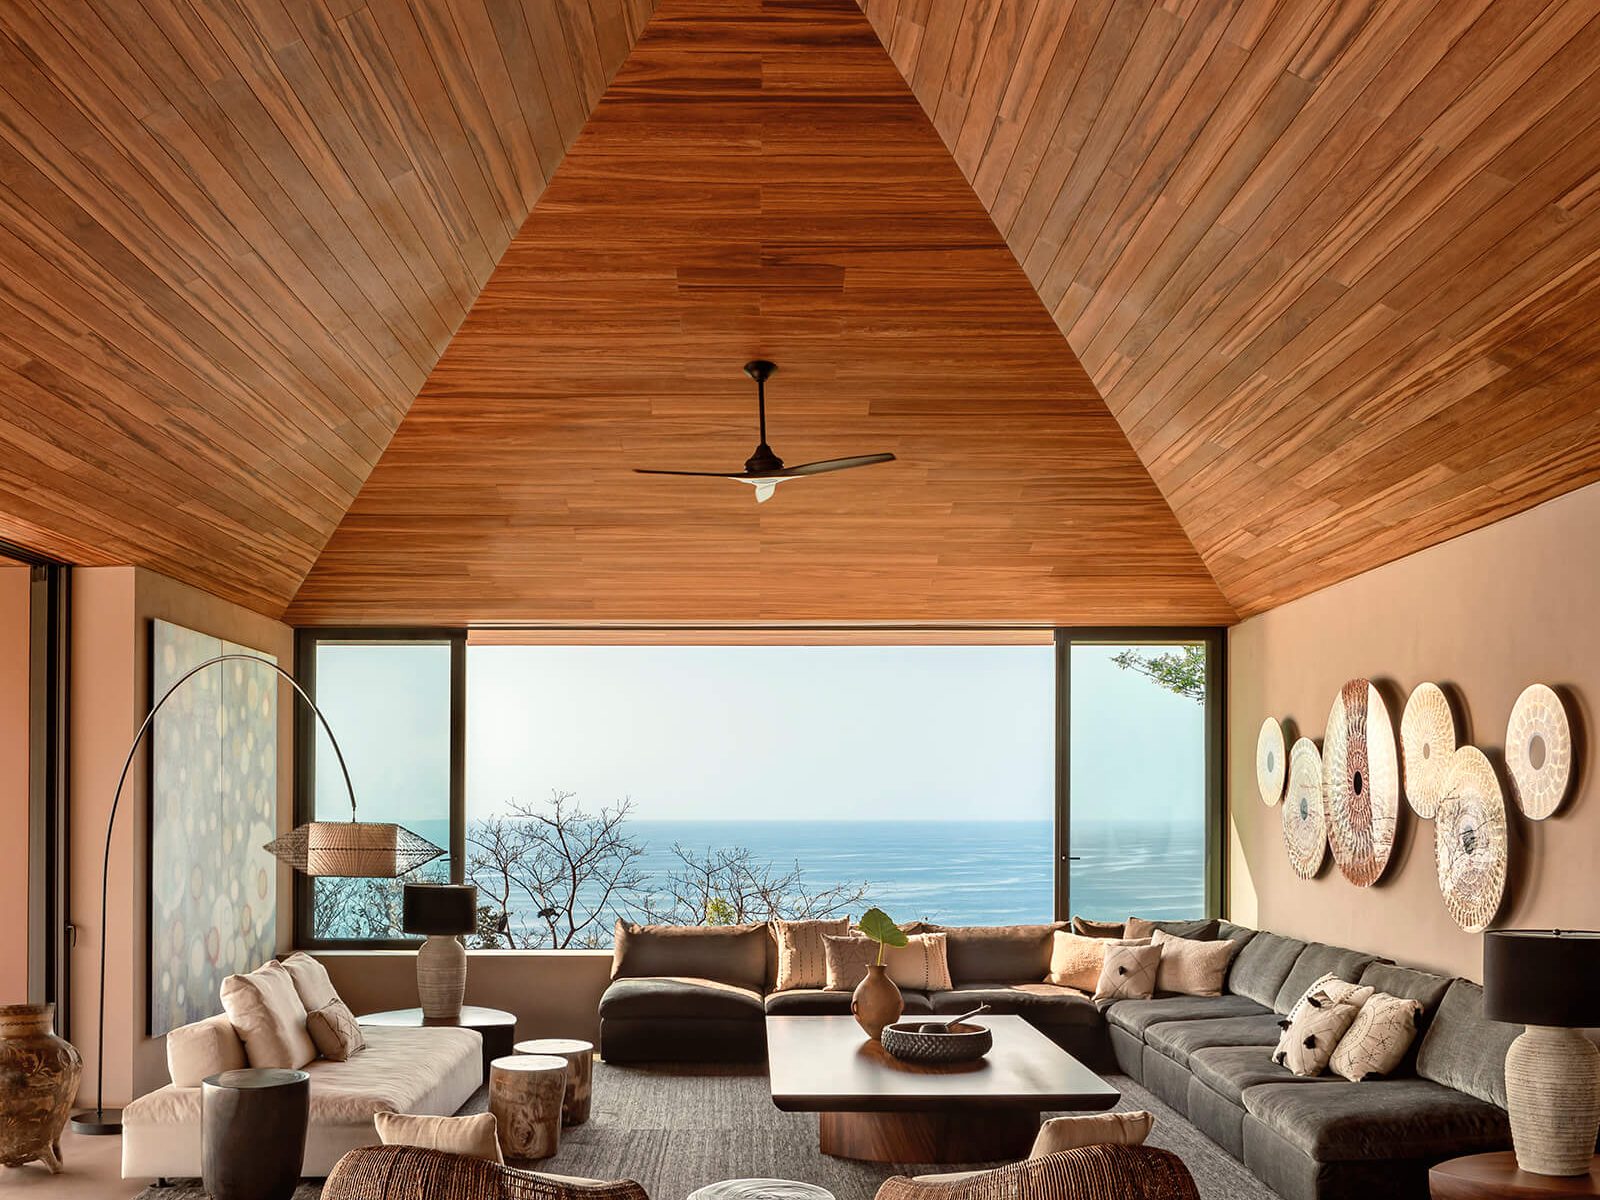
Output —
<point x="695" y="474"/>
<point x="834" y="464"/>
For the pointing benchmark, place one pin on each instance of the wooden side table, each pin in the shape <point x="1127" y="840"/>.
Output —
<point x="525" y="1095"/>
<point x="497" y="1027"/>
<point x="253" y="1132"/>
<point x="580" y="1073"/>
<point x="1496" y="1177"/>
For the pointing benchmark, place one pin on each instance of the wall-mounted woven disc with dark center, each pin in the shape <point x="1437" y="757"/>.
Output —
<point x="1469" y="840"/>
<point x="1427" y="740"/>
<point x="1271" y="765"/>
<point x="1539" y="751"/>
<point x="1360" y="782"/>
<point x="1305" y="828"/>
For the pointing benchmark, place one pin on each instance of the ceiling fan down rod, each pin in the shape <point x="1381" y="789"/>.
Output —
<point x="763" y="459"/>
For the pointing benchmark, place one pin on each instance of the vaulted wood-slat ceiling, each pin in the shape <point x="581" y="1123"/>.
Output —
<point x="758" y="181"/>
<point x="235" y="237"/>
<point x="1334" y="264"/>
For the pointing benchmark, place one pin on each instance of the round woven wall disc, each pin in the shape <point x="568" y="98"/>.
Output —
<point x="1360" y="782"/>
<point x="1539" y="751"/>
<point x="1469" y="840"/>
<point x="1272" y="767"/>
<point x="1427" y="740"/>
<point x="1305" y="826"/>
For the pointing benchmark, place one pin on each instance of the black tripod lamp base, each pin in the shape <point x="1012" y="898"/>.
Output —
<point x="97" y="1122"/>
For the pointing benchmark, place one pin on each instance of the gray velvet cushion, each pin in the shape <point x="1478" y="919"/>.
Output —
<point x="998" y="953"/>
<point x="1204" y="930"/>
<point x="1411" y="1118"/>
<point x="1229" y="1070"/>
<point x="1407" y="984"/>
<point x="701" y="998"/>
<point x="1228" y="931"/>
<point x="1465" y="1050"/>
<point x="815" y="1002"/>
<point x="1315" y="961"/>
<point x="735" y="954"/>
<point x="1261" y="966"/>
<point x="1179" y="1039"/>
<point x="1041" y="1003"/>
<point x="1137" y="1015"/>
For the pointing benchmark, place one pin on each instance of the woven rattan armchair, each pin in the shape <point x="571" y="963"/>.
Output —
<point x="411" y="1173"/>
<point x="1088" y="1173"/>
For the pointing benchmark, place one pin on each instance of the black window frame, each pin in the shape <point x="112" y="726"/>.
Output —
<point x="305" y="760"/>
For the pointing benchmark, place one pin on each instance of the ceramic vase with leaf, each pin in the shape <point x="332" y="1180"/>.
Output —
<point x="877" y="1001"/>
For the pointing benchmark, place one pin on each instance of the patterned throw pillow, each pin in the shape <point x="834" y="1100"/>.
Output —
<point x="802" y="954"/>
<point x="1129" y="973"/>
<point x="334" y="1030"/>
<point x="1191" y="968"/>
<point x="920" y="965"/>
<point x="1338" y="989"/>
<point x="477" y="1136"/>
<point x="1075" y="960"/>
<point x="1314" y="1033"/>
<point x="1377" y="1039"/>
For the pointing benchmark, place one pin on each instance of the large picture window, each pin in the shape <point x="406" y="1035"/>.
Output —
<point x="964" y="784"/>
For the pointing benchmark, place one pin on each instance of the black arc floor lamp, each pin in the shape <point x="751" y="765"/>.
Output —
<point x="360" y="849"/>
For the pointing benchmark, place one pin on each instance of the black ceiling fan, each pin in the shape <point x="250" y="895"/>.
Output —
<point x="764" y="470"/>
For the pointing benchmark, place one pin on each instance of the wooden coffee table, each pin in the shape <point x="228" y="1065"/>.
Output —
<point x="874" y="1107"/>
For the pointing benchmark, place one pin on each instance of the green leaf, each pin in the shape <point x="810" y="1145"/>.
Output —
<point x="875" y="923"/>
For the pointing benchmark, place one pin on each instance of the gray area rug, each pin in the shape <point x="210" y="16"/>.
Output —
<point x="674" y="1129"/>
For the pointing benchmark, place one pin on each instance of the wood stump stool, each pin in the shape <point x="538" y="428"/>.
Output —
<point x="580" y="1073"/>
<point x="525" y="1096"/>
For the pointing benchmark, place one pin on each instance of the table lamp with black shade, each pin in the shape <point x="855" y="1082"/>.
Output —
<point x="1548" y="980"/>
<point x="444" y="912"/>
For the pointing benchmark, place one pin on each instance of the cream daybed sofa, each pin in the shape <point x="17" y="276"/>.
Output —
<point x="428" y="1071"/>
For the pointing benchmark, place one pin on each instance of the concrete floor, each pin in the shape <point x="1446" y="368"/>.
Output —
<point x="91" y="1170"/>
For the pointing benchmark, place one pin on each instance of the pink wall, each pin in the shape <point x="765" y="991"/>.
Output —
<point x="112" y="608"/>
<point x="14" y="612"/>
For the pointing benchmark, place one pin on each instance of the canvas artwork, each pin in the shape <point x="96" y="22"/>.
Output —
<point x="213" y="798"/>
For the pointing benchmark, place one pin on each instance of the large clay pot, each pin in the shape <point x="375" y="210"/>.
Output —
<point x="38" y="1079"/>
<point x="876" y="1002"/>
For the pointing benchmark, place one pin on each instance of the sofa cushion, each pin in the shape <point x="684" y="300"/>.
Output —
<point x="1178" y="1040"/>
<point x="1315" y="960"/>
<point x="802" y="957"/>
<point x="1465" y="1050"/>
<point x="1041" y="1003"/>
<point x="203" y="1048"/>
<point x="819" y="1002"/>
<point x="1088" y="927"/>
<point x="998" y="953"/>
<point x="311" y="981"/>
<point x="475" y="1136"/>
<point x="267" y="1014"/>
<point x="1341" y="1122"/>
<point x="735" y="954"/>
<point x="1228" y="931"/>
<point x="1230" y="1070"/>
<point x="1190" y="966"/>
<point x="920" y="965"/>
<point x="1199" y="931"/>
<point x="1137" y="1015"/>
<point x="707" y="999"/>
<point x="1261" y="966"/>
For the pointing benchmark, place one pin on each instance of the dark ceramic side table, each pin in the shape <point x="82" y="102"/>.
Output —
<point x="1496" y="1177"/>
<point x="253" y="1133"/>
<point x="497" y="1027"/>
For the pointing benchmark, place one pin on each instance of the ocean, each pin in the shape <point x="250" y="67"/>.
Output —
<point x="953" y="872"/>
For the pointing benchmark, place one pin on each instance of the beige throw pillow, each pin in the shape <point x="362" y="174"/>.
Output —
<point x="311" y="982"/>
<point x="1313" y="1034"/>
<point x="1076" y="959"/>
<point x="271" y="1022"/>
<point x="334" y="1030"/>
<point x="1129" y="972"/>
<point x="1335" y="988"/>
<point x="802" y="954"/>
<point x="1092" y="1129"/>
<point x="476" y="1136"/>
<point x="920" y="965"/>
<point x="1377" y="1039"/>
<point x="1192" y="968"/>
<point x="204" y="1048"/>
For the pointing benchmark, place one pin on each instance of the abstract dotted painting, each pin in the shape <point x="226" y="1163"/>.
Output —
<point x="213" y="805"/>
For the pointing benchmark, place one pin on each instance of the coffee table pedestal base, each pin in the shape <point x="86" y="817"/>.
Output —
<point x="972" y="1136"/>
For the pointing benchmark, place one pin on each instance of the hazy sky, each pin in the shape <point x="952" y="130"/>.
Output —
<point x="830" y="733"/>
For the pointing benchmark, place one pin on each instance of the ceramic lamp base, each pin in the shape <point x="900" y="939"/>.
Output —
<point x="441" y="978"/>
<point x="1553" y="1098"/>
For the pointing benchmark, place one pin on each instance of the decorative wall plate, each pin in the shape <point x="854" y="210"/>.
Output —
<point x="1469" y="840"/>
<point x="1305" y="826"/>
<point x="1427" y="740"/>
<point x="1271" y="765"/>
<point x="1539" y="751"/>
<point x="1360" y="782"/>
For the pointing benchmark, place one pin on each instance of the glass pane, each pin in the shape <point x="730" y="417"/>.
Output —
<point x="390" y="707"/>
<point x="16" y="719"/>
<point x="722" y="784"/>
<point x="1138" y="785"/>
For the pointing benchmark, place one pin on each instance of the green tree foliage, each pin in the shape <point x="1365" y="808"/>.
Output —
<point x="1183" y="673"/>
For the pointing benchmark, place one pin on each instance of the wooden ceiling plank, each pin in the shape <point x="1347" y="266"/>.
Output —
<point x="566" y="96"/>
<point x="1008" y="38"/>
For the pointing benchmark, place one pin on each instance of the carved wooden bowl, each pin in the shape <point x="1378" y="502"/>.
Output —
<point x="955" y="1044"/>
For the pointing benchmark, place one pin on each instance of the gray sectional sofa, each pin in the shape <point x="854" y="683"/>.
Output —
<point x="1208" y="1057"/>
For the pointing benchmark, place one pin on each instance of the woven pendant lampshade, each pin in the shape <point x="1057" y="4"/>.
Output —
<point x="353" y="849"/>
